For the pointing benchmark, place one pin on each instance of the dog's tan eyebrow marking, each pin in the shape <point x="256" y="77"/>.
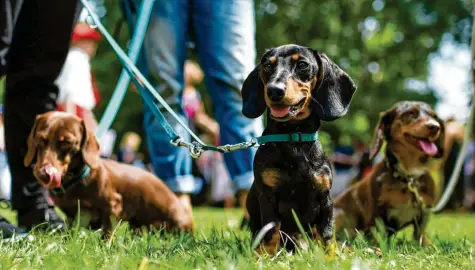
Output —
<point x="322" y="182"/>
<point x="273" y="59"/>
<point x="295" y="56"/>
<point x="270" y="177"/>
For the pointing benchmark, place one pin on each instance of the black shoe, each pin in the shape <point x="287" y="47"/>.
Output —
<point x="7" y="230"/>
<point x="42" y="214"/>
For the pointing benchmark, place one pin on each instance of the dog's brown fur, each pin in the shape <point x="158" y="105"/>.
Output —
<point x="128" y="193"/>
<point x="384" y="193"/>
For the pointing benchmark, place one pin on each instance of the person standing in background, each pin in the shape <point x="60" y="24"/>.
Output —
<point x="128" y="151"/>
<point x="210" y="164"/>
<point x="5" y="177"/>
<point x="78" y="91"/>
<point x="224" y="34"/>
<point x="36" y="54"/>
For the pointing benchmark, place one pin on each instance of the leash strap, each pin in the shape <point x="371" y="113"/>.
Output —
<point x="145" y="88"/>
<point x="134" y="52"/>
<point x="63" y="189"/>
<point x="151" y="97"/>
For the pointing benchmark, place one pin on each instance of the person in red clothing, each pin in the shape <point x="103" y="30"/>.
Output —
<point x="78" y="91"/>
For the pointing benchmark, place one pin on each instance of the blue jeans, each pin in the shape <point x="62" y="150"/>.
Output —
<point x="223" y="31"/>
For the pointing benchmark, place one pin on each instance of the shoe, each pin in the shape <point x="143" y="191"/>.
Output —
<point x="43" y="217"/>
<point x="7" y="230"/>
<point x="41" y="213"/>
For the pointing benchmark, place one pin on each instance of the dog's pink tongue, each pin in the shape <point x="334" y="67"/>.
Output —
<point x="428" y="147"/>
<point x="54" y="176"/>
<point x="279" y="111"/>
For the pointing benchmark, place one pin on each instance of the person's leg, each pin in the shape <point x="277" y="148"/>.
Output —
<point x="39" y="48"/>
<point x="8" y="14"/>
<point x="165" y="53"/>
<point x="226" y="48"/>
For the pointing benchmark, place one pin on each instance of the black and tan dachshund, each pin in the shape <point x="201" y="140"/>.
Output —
<point x="299" y="87"/>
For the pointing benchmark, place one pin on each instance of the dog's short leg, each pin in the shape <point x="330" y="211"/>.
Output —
<point x="324" y="225"/>
<point x="271" y="241"/>
<point x="420" y="226"/>
<point x="106" y="225"/>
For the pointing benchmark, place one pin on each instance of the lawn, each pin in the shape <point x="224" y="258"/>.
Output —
<point x="219" y="244"/>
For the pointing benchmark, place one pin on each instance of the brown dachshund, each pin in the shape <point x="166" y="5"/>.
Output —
<point x="67" y="162"/>
<point x="299" y="87"/>
<point x="400" y="189"/>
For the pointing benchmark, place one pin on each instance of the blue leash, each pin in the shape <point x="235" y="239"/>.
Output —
<point x="150" y="97"/>
<point x="124" y="79"/>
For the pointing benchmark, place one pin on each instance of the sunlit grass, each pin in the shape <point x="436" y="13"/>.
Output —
<point x="220" y="244"/>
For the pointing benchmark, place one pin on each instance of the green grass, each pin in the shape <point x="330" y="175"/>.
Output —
<point x="219" y="244"/>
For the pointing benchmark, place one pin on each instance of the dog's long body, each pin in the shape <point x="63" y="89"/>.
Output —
<point x="400" y="190"/>
<point x="65" y="151"/>
<point x="299" y="87"/>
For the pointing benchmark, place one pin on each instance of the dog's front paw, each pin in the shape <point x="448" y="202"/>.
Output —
<point x="270" y="247"/>
<point x="331" y="249"/>
<point x="425" y="240"/>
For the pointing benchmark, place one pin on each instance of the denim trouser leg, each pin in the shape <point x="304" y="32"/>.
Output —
<point x="226" y="48"/>
<point x="165" y="52"/>
<point x="225" y="39"/>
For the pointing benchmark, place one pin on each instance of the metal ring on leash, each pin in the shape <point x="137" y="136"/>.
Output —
<point x="195" y="148"/>
<point x="91" y="22"/>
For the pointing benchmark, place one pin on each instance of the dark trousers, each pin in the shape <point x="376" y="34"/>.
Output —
<point x="39" y="46"/>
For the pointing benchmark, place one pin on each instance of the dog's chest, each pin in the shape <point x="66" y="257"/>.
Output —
<point x="399" y="205"/>
<point x="295" y="163"/>
<point x="404" y="214"/>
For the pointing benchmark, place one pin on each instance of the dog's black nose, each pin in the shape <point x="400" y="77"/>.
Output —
<point x="433" y="128"/>
<point x="275" y="93"/>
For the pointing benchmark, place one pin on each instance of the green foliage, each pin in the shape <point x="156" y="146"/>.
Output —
<point x="220" y="244"/>
<point x="383" y="45"/>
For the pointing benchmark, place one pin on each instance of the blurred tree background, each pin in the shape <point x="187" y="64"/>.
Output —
<point x="385" y="46"/>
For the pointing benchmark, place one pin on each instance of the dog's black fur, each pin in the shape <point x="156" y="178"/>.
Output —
<point x="294" y="175"/>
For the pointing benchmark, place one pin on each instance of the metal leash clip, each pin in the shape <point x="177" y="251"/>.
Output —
<point x="194" y="147"/>
<point x="411" y="185"/>
<point x="89" y="20"/>
<point x="244" y="145"/>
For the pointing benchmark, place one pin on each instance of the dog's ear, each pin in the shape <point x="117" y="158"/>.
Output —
<point x="31" y="151"/>
<point x="252" y="92"/>
<point x="333" y="91"/>
<point x="90" y="147"/>
<point x="440" y="142"/>
<point x="382" y="131"/>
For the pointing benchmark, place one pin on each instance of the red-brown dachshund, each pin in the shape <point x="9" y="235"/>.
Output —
<point x="67" y="162"/>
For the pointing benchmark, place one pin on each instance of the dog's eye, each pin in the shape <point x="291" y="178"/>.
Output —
<point x="42" y="142"/>
<point x="302" y="65"/>
<point x="411" y="114"/>
<point x="65" y="144"/>
<point x="268" y="67"/>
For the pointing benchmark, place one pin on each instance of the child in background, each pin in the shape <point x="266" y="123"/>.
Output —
<point x="128" y="152"/>
<point x="78" y="91"/>
<point x="211" y="164"/>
